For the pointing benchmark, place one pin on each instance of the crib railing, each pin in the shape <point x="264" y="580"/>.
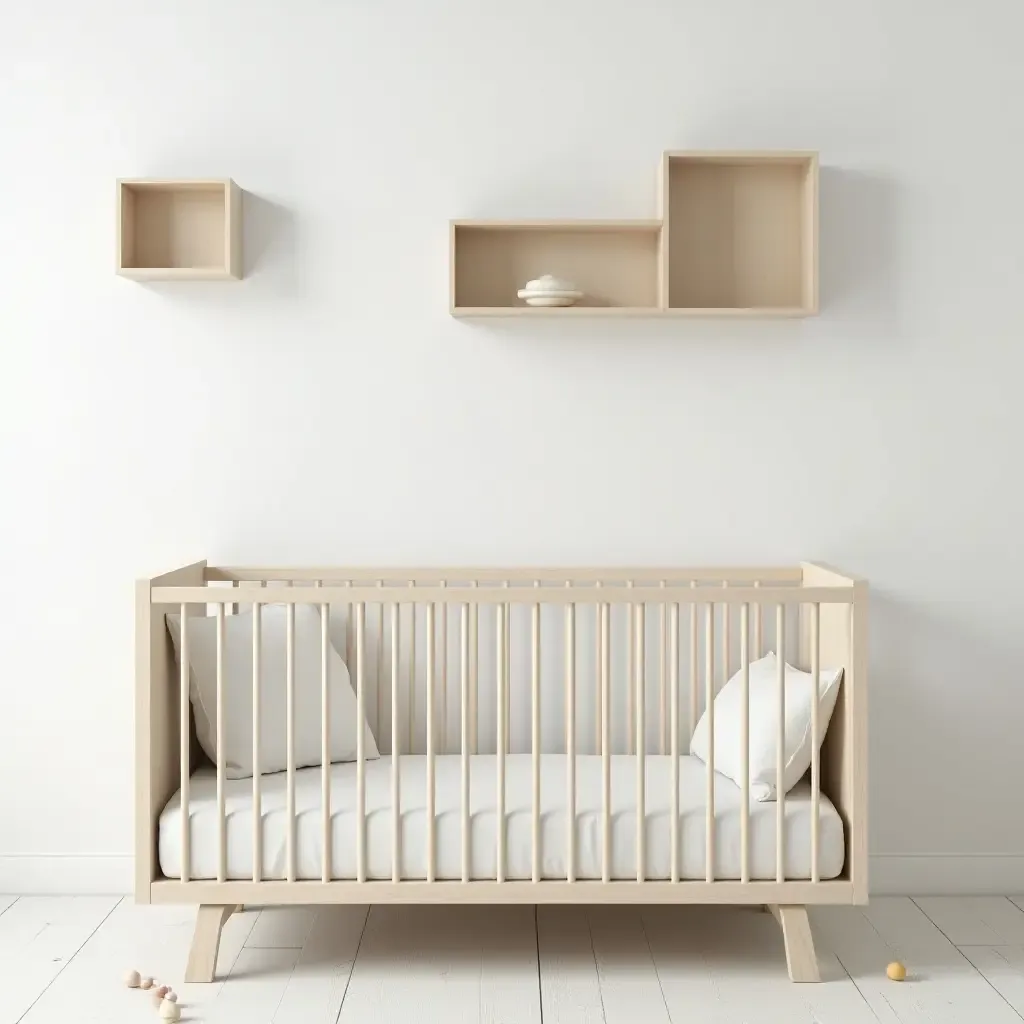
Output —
<point x="656" y="644"/>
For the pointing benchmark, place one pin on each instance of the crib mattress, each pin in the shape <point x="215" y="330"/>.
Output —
<point x="483" y="844"/>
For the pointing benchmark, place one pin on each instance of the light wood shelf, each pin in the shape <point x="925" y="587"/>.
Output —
<point x="737" y="237"/>
<point x="179" y="229"/>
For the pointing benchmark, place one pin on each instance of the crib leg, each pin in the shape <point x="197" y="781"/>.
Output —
<point x="202" y="957"/>
<point x="796" y="933"/>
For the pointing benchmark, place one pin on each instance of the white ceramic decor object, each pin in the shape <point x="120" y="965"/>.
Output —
<point x="548" y="290"/>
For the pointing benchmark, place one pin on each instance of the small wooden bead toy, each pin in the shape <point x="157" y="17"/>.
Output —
<point x="171" y="997"/>
<point x="169" y="1010"/>
<point x="159" y="993"/>
<point x="146" y="983"/>
<point x="132" y="979"/>
<point x="896" y="971"/>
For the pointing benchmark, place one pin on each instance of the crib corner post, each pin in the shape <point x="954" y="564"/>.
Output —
<point x="202" y="956"/>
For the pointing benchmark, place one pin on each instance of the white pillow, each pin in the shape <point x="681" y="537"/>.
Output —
<point x="764" y="725"/>
<point x="202" y="656"/>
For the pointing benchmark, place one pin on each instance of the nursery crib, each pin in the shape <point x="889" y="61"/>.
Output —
<point x="534" y="729"/>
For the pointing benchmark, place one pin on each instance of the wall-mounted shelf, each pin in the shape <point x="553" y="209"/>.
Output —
<point x="737" y="237"/>
<point x="179" y="230"/>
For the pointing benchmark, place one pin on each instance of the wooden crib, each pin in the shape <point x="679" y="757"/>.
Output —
<point x="501" y="676"/>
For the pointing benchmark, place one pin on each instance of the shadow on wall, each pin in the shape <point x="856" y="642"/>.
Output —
<point x="859" y="246"/>
<point x="269" y="244"/>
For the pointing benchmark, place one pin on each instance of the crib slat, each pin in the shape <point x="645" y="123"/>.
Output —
<point x="257" y="796"/>
<point x="499" y="714"/>
<point x="378" y="666"/>
<point x="290" y="736"/>
<point x="745" y="744"/>
<point x="222" y="816"/>
<point x="606" y="745"/>
<point x="431" y="731"/>
<point x="641" y="744"/>
<point x="412" y="672"/>
<point x="464" y="743"/>
<point x="726" y="638"/>
<point x="325" y="742"/>
<point x="570" y="739"/>
<point x="663" y="725"/>
<point x="443" y="677"/>
<point x="474" y="678"/>
<point x="758" y="644"/>
<point x="183" y="747"/>
<point x="780" y="753"/>
<point x="360" y="742"/>
<point x="396" y="766"/>
<point x="694" y="678"/>
<point x="598" y="709"/>
<point x="535" y="732"/>
<point x="630" y="663"/>
<point x="673" y="655"/>
<point x="709" y="711"/>
<point x="508" y="672"/>
<point x="815" y="752"/>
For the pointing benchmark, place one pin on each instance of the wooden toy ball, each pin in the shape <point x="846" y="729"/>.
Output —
<point x="132" y="979"/>
<point x="146" y="983"/>
<point x="896" y="971"/>
<point x="159" y="993"/>
<point x="171" y="997"/>
<point x="170" y="1010"/>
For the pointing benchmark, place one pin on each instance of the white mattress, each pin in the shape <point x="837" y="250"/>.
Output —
<point x="483" y="783"/>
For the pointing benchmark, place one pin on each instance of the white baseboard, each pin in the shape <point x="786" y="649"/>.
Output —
<point x="891" y="874"/>
<point x="57" y="874"/>
<point x="946" y="874"/>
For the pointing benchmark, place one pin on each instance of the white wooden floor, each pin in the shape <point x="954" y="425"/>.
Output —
<point x="62" y="958"/>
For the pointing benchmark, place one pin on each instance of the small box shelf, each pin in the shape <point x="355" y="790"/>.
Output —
<point x="741" y="232"/>
<point x="179" y="230"/>
<point x="614" y="263"/>
<point x="737" y="237"/>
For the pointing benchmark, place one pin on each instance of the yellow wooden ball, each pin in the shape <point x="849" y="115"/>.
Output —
<point x="896" y="971"/>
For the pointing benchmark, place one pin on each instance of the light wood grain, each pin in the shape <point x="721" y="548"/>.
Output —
<point x="202" y="956"/>
<point x="179" y="229"/>
<point x="796" y="933"/>
<point x="975" y="920"/>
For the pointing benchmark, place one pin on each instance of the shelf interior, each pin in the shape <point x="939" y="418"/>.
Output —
<point x="740" y="233"/>
<point x="174" y="225"/>
<point x="613" y="265"/>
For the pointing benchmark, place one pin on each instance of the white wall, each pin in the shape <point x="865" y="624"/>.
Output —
<point x="882" y="436"/>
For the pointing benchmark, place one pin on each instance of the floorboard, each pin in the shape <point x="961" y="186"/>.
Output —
<point x="570" y="990"/>
<point x="39" y="937"/>
<point x="436" y="965"/>
<point x="6" y="902"/>
<point x="975" y="920"/>
<point x="630" y="989"/>
<point x="1003" y="968"/>
<point x="151" y="939"/>
<point x="727" y="964"/>
<point x="63" y="959"/>
<point x="942" y="986"/>
<point x="317" y="985"/>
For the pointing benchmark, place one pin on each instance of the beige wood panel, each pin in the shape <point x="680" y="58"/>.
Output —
<point x="170" y="229"/>
<point x="615" y="264"/>
<point x="725" y="892"/>
<point x="736" y="234"/>
<point x="156" y="720"/>
<point x="844" y="752"/>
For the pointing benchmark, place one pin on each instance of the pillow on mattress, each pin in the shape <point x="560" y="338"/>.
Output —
<point x="764" y="725"/>
<point x="202" y="656"/>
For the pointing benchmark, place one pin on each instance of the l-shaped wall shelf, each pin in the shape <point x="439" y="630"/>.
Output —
<point x="737" y="237"/>
<point x="175" y="230"/>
